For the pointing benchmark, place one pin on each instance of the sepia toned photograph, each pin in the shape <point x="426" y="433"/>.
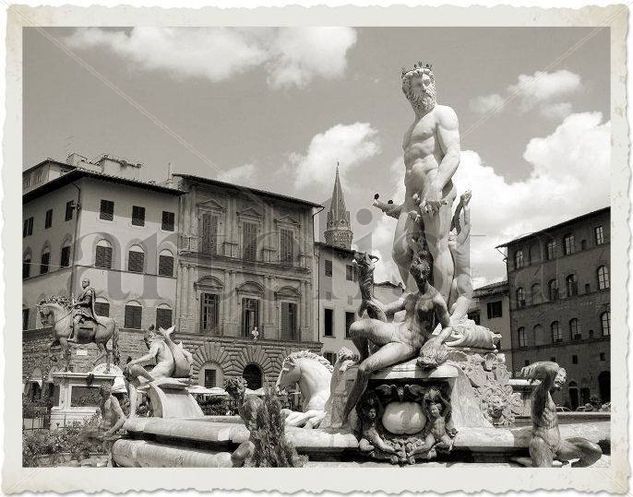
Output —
<point x="345" y="247"/>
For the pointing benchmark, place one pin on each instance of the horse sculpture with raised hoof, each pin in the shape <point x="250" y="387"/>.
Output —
<point x="313" y="374"/>
<point x="58" y="313"/>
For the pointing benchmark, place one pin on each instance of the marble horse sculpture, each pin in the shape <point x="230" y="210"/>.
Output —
<point x="57" y="312"/>
<point x="313" y="374"/>
<point x="546" y="444"/>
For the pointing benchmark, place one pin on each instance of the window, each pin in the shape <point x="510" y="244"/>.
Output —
<point x="598" y="233"/>
<point x="25" y="319"/>
<point x="328" y="322"/>
<point x="605" y="323"/>
<point x="572" y="285"/>
<point x="286" y="249"/>
<point x="574" y="329"/>
<point x="249" y="240"/>
<point x="574" y="359"/>
<point x="518" y="259"/>
<point x="552" y="359"/>
<point x="250" y="316"/>
<point x="27" y="228"/>
<point x="520" y="297"/>
<point x="350" y="317"/>
<point x="551" y="250"/>
<point x="583" y="244"/>
<point x="494" y="309"/>
<point x="70" y="206"/>
<point x="569" y="244"/>
<point x="165" y="263"/>
<point x="210" y="378"/>
<point x="552" y="287"/>
<point x="526" y="362"/>
<point x="603" y="356"/>
<point x="536" y="294"/>
<point x="136" y="260"/>
<point x="167" y="223"/>
<point x="46" y="259"/>
<point x="209" y="234"/>
<point x="350" y="273"/>
<point x="209" y="315"/>
<point x="133" y="315"/>
<point x="522" y="337"/>
<point x="102" y="308"/>
<point x="48" y="220"/>
<point x="163" y="317"/>
<point x="330" y="356"/>
<point x="328" y="267"/>
<point x="26" y="266"/>
<point x="288" y="321"/>
<point x="557" y="336"/>
<point x="103" y="255"/>
<point x="106" y="212"/>
<point x="603" y="278"/>
<point x="64" y="260"/>
<point x="537" y="333"/>
<point x="138" y="215"/>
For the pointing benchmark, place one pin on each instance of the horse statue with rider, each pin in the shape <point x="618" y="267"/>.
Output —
<point x="70" y="320"/>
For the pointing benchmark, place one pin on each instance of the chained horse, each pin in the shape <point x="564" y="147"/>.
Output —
<point x="313" y="374"/>
<point x="57" y="312"/>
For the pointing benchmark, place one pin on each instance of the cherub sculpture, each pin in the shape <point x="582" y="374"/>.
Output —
<point x="371" y="441"/>
<point x="438" y="431"/>
<point x="546" y="444"/>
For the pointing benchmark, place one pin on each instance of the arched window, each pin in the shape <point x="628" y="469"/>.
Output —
<point x="165" y="263"/>
<point x="536" y="294"/>
<point x="574" y="329"/>
<point x="64" y="259"/>
<point x="537" y="332"/>
<point x="603" y="278"/>
<point x="569" y="244"/>
<point x="520" y="297"/>
<point x="136" y="259"/>
<point x="103" y="255"/>
<point x="102" y="307"/>
<point x="26" y="264"/>
<point x="552" y="289"/>
<point x="522" y="337"/>
<point x="518" y="259"/>
<point x="572" y="285"/>
<point x="133" y="315"/>
<point x="605" y="323"/>
<point x="46" y="260"/>
<point x="557" y="336"/>
<point x="163" y="316"/>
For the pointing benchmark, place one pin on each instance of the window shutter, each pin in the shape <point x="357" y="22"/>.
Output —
<point x="133" y="315"/>
<point x="209" y="234"/>
<point x="163" y="318"/>
<point x="138" y="215"/>
<point x="107" y="210"/>
<point x="65" y="257"/>
<point x="136" y="261"/>
<point x="286" y="252"/>
<point x="103" y="257"/>
<point x="168" y="221"/>
<point x="249" y="231"/>
<point x="102" y="309"/>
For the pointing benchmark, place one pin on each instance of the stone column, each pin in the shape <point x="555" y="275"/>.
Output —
<point x="191" y="298"/>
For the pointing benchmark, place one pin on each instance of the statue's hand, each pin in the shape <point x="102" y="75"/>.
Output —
<point x="432" y="200"/>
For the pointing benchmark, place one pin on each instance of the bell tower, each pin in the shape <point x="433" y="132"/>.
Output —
<point x="339" y="230"/>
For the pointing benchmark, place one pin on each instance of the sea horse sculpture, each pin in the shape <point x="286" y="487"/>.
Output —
<point x="182" y="357"/>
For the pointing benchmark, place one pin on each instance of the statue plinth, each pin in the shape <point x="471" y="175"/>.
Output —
<point x="404" y="415"/>
<point x="170" y="398"/>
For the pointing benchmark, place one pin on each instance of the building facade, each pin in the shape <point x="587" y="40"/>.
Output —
<point x="558" y="281"/>
<point x="245" y="280"/>
<point x="491" y="308"/>
<point x="116" y="231"/>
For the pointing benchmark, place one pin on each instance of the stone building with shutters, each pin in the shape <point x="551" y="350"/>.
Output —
<point x="245" y="279"/>
<point x="97" y="220"/>
<point x="559" y="289"/>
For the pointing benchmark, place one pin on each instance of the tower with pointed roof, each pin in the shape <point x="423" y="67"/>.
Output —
<point x="339" y="229"/>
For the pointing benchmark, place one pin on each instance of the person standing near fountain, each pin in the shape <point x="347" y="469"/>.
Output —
<point x="431" y="157"/>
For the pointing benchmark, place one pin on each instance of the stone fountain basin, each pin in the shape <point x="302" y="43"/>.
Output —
<point x="208" y="441"/>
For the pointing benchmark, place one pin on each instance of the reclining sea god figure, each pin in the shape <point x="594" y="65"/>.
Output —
<point x="546" y="444"/>
<point x="431" y="157"/>
<point x="401" y="340"/>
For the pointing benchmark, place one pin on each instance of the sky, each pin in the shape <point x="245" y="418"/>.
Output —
<point x="277" y="108"/>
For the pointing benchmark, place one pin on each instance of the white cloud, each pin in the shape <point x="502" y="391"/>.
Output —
<point x="562" y="164"/>
<point x="240" y="175"/>
<point x="486" y="103"/>
<point x="557" y="111"/>
<point x="292" y="56"/>
<point x="544" y="87"/>
<point x="304" y="53"/>
<point x="351" y="144"/>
